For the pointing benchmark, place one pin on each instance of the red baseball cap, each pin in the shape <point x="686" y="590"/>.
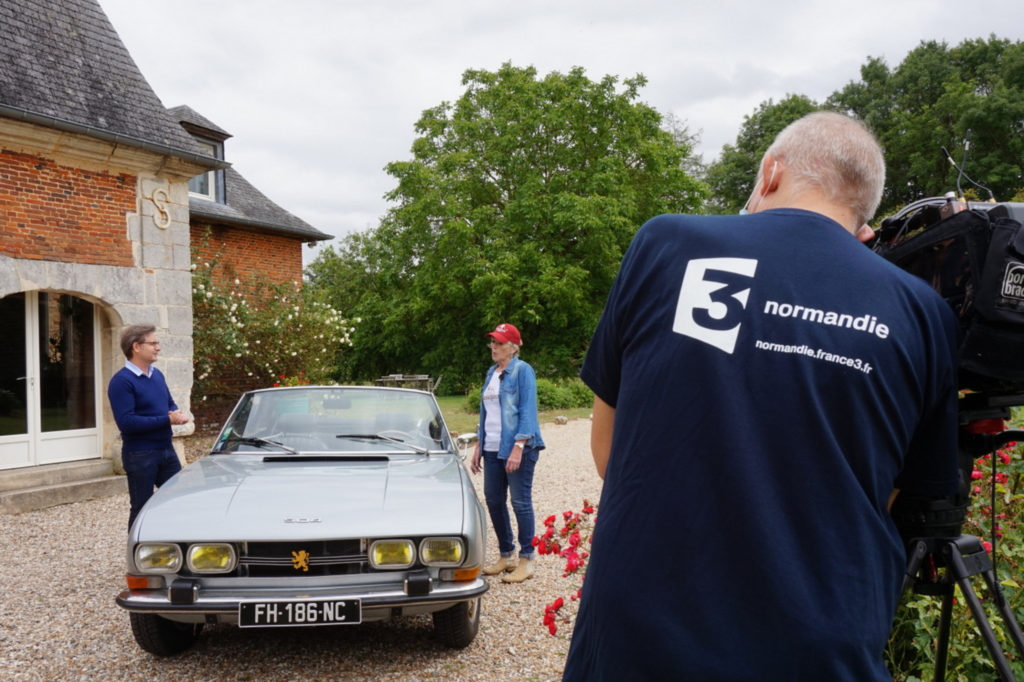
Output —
<point x="505" y="333"/>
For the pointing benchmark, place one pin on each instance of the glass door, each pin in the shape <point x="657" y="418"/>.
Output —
<point x="49" y="380"/>
<point x="14" y="384"/>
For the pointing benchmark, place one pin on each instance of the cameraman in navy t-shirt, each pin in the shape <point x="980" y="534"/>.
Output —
<point x="765" y="386"/>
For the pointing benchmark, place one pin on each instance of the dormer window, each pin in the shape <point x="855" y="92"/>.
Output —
<point x="205" y="185"/>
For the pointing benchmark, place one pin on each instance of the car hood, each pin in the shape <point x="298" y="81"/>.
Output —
<point x="242" y="497"/>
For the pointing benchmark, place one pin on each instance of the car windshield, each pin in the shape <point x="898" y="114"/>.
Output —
<point x="347" y="420"/>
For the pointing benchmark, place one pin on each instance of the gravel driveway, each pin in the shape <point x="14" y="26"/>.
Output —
<point x="61" y="568"/>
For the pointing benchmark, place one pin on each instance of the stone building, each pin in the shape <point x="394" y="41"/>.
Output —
<point x="101" y="192"/>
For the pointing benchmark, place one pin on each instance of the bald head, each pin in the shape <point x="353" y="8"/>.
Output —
<point x="832" y="155"/>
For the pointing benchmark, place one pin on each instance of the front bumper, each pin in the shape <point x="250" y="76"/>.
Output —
<point x="189" y="600"/>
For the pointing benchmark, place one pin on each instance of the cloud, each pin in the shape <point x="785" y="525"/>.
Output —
<point x="321" y="94"/>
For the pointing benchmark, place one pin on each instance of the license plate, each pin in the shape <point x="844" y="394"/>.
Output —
<point x="268" y="614"/>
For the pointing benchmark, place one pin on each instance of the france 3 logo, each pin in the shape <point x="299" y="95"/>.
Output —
<point x="712" y="299"/>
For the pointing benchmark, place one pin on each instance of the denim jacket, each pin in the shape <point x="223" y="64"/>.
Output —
<point x="518" y="400"/>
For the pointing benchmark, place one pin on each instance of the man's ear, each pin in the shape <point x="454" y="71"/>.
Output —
<point x="865" y="233"/>
<point x="771" y="173"/>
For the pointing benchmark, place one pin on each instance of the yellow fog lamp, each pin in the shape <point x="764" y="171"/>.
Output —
<point x="215" y="557"/>
<point x="441" y="551"/>
<point x="158" y="557"/>
<point x="392" y="554"/>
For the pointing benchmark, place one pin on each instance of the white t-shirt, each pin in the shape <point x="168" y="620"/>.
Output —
<point x="492" y="413"/>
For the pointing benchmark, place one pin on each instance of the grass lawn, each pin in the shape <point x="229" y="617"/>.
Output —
<point x="461" y="420"/>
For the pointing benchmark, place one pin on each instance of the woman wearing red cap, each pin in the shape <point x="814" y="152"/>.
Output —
<point x="509" y="444"/>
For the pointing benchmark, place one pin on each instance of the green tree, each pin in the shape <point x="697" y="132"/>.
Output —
<point x="930" y="104"/>
<point x="731" y="177"/>
<point x="517" y="205"/>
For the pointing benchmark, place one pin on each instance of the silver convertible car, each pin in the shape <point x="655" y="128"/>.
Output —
<point x="317" y="506"/>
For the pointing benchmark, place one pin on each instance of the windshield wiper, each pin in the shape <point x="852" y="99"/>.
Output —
<point x="390" y="439"/>
<point x="258" y="442"/>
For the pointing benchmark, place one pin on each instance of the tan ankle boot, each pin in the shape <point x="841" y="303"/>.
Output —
<point x="523" y="571"/>
<point x="505" y="563"/>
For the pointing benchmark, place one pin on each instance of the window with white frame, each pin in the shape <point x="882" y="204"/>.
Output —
<point x="205" y="185"/>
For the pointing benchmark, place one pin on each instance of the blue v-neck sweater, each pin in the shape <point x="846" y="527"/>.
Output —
<point x="141" y="405"/>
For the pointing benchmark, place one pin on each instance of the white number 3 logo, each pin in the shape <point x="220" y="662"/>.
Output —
<point x="712" y="299"/>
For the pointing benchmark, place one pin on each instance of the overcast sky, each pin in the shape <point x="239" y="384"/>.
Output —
<point x="320" y="94"/>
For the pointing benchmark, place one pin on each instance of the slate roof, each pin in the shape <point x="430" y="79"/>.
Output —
<point x="248" y="207"/>
<point x="192" y="119"/>
<point x="245" y="205"/>
<point x="62" y="65"/>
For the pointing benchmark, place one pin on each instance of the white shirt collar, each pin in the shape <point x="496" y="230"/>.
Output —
<point x="136" y="370"/>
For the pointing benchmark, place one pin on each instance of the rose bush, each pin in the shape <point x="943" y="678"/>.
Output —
<point x="253" y="334"/>
<point x="571" y="542"/>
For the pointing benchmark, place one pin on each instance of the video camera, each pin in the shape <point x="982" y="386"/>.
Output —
<point x="972" y="254"/>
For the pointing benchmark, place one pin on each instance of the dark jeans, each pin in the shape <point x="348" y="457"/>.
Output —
<point x="497" y="484"/>
<point x="147" y="469"/>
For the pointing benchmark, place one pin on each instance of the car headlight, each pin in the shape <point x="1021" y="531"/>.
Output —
<point x="441" y="551"/>
<point x="158" y="557"/>
<point x="211" y="558"/>
<point x="392" y="553"/>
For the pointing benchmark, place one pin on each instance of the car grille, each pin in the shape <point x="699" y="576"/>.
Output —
<point x="309" y="558"/>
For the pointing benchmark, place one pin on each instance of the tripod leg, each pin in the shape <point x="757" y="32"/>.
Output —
<point x="918" y="552"/>
<point x="942" y="647"/>
<point x="1009" y="620"/>
<point x="980" y="619"/>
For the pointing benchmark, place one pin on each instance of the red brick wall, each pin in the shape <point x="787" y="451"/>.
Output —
<point x="247" y="256"/>
<point x="60" y="213"/>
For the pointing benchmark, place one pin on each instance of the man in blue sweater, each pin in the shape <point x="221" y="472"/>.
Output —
<point x="144" y="411"/>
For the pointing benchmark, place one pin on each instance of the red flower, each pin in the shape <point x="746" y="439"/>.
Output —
<point x="576" y="529"/>
<point x="987" y="545"/>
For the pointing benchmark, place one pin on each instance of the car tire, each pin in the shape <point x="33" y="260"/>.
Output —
<point x="457" y="626"/>
<point x="163" y="637"/>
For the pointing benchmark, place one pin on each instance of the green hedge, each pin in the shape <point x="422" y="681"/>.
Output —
<point x="563" y="394"/>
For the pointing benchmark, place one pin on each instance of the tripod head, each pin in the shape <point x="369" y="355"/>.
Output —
<point x="982" y="417"/>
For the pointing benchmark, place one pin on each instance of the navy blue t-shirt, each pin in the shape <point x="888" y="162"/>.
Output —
<point x="773" y="382"/>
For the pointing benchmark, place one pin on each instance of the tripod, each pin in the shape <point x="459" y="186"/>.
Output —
<point x="963" y="556"/>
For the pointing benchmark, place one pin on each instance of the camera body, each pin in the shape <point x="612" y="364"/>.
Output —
<point x="972" y="254"/>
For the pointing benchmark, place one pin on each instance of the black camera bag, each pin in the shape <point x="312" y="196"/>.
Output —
<point x="975" y="260"/>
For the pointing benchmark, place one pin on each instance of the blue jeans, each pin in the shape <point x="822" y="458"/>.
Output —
<point x="147" y="469"/>
<point x="497" y="484"/>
